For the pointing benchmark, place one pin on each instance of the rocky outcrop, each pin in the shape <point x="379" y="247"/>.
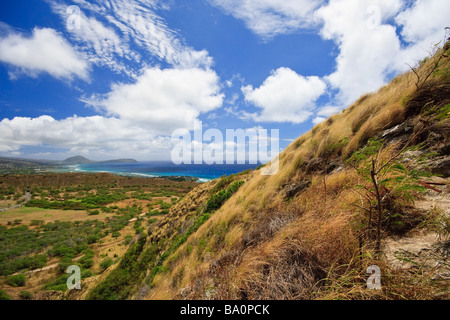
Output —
<point x="440" y="166"/>
<point x="319" y="165"/>
<point x="291" y="190"/>
<point x="399" y="133"/>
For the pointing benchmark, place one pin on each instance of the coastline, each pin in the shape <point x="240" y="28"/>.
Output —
<point x="77" y="169"/>
<point x="167" y="170"/>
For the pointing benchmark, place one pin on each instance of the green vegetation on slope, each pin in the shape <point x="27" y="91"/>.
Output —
<point x="45" y="236"/>
<point x="121" y="282"/>
<point x="311" y="230"/>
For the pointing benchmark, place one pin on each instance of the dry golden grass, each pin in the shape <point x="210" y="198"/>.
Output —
<point x="33" y="284"/>
<point x="367" y="116"/>
<point x="268" y="236"/>
<point x="27" y="214"/>
<point x="349" y="282"/>
<point x="260" y="245"/>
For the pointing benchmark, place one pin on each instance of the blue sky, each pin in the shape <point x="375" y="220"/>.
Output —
<point x="115" y="78"/>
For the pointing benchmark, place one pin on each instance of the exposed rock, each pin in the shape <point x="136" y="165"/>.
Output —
<point x="411" y="155"/>
<point x="399" y="133"/>
<point x="142" y="293"/>
<point x="337" y="169"/>
<point x="440" y="166"/>
<point x="292" y="190"/>
<point x="330" y="167"/>
<point x="319" y="165"/>
<point x="444" y="150"/>
<point x="314" y="165"/>
<point x="49" y="295"/>
<point x="184" y="292"/>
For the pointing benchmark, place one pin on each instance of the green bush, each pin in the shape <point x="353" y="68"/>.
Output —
<point x="165" y="205"/>
<point x="59" y="284"/>
<point x="88" y="252"/>
<point x="128" y="238"/>
<point x="107" y="209"/>
<point x="216" y="201"/>
<point x="93" y="238"/>
<point x="87" y="273"/>
<point x="64" y="263"/>
<point x="86" y="262"/>
<point x="4" y="295"/>
<point x="131" y="270"/>
<point x="9" y="266"/>
<point x="115" y="234"/>
<point x="25" y="295"/>
<point x="93" y="213"/>
<point x="63" y="250"/>
<point x="17" y="280"/>
<point x="137" y="224"/>
<point x="36" y="222"/>
<point x="106" y="263"/>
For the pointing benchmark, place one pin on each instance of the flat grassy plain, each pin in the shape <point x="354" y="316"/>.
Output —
<point x="29" y="214"/>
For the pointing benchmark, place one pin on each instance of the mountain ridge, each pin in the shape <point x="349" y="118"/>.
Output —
<point x="83" y="160"/>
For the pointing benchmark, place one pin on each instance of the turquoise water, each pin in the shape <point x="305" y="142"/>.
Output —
<point x="160" y="169"/>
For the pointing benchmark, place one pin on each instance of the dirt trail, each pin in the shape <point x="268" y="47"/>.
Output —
<point x="52" y="266"/>
<point x="435" y="200"/>
<point x="424" y="249"/>
<point x="27" y="198"/>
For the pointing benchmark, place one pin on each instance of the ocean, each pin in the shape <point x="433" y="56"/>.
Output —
<point x="202" y="172"/>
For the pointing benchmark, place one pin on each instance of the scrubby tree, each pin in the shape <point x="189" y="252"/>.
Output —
<point x="26" y="295"/>
<point x="106" y="263"/>
<point x="423" y="77"/>
<point x="385" y="179"/>
<point x="4" y="295"/>
<point x="17" y="280"/>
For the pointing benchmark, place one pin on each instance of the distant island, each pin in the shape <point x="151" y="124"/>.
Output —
<point x="83" y="160"/>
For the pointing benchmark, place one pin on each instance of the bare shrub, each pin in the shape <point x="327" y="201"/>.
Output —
<point x="290" y="273"/>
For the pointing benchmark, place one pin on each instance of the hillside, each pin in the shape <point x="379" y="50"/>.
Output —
<point x="76" y="160"/>
<point x="18" y="165"/>
<point x="368" y="186"/>
<point x="83" y="160"/>
<point x="10" y="165"/>
<point x="53" y="220"/>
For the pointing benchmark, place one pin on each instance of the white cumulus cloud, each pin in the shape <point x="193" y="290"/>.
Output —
<point x="369" y="34"/>
<point x="96" y="136"/>
<point x="45" y="51"/>
<point x="422" y="27"/>
<point x="163" y="100"/>
<point x="285" y="96"/>
<point x="368" y="47"/>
